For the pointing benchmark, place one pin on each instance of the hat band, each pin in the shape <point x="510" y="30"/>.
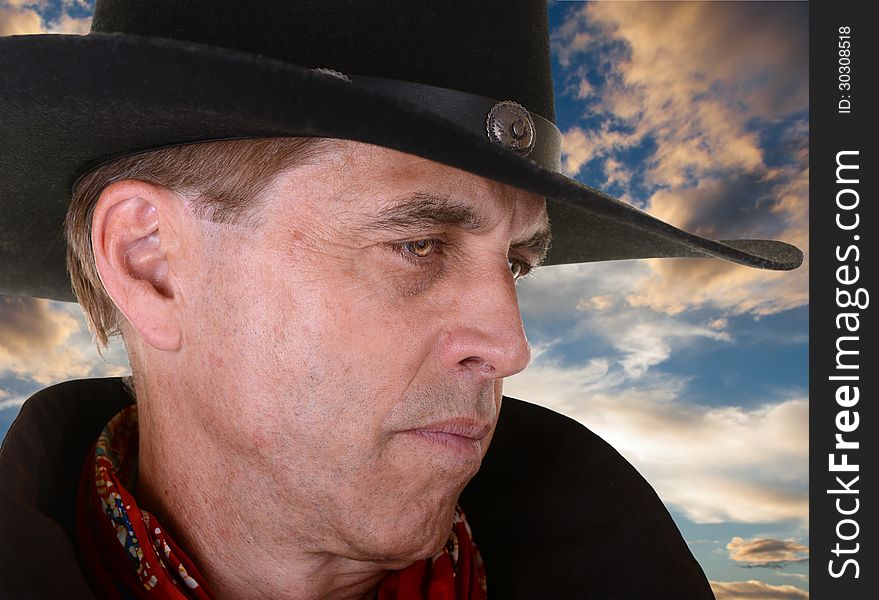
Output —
<point x="504" y="122"/>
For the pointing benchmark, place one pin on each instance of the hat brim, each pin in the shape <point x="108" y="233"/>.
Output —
<point x="68" y="103"/>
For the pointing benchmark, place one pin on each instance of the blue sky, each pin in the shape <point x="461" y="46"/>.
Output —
<point x="695" y="370"/>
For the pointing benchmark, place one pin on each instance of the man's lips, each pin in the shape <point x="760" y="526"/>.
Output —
<point x="473" y="429"/>
<point x="460" y="435"/>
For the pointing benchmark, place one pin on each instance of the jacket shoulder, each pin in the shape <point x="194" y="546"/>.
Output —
<point x="558" y="513"/>
<point x="40" y="462"/>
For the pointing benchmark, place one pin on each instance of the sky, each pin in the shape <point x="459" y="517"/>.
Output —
<point x="695" y="370"/>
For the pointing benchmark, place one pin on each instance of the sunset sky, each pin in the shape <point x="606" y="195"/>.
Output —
<point x="695" y="370"/>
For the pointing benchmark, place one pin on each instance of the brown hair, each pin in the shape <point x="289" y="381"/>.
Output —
<point x="224" y="177"/>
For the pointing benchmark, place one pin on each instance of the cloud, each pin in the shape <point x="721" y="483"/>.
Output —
<point x="46" y="342"/>
<point x="616" y="172"/>
<point x="6" y="402"/>
<point x="17" y="19"/>
<point x="40" y="4"/>
<point x="71" y="25"/>
<point x="584" y="89"/>
<point x="558" y="290"/>
<point x="713" y="463"/>
<point x="767" y="552"/>
<point x="801" y="576"/>
<point x="649" y="342"/>
<point x="718" y="324"/>
<point x="579" y="146"/>
<point x="86" y="5"/>
<point x="756" y="590"/>
<point x="599" y="303"/>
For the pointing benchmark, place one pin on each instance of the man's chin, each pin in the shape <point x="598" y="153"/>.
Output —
<point x="412" y="534"/>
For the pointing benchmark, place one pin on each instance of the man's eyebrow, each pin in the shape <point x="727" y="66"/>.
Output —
<point x="425" y="210"/>
<point x="538" y="243"/>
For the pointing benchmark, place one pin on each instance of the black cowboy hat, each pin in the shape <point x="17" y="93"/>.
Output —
<point x="466" y="83"/>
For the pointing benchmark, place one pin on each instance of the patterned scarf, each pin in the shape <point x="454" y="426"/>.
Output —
<point x="127" y="554"/>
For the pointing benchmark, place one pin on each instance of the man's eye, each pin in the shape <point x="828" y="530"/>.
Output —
<point x="425" y="247"/>
<point x="420" y="248"/>
<point x="519" y="268"/>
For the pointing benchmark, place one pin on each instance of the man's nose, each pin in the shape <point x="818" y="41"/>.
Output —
<point x="486" y="336"/>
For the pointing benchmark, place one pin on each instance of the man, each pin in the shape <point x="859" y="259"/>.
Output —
<point x="318" y="303"/>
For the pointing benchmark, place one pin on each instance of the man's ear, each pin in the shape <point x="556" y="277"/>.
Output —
<point x="136" y="228"/>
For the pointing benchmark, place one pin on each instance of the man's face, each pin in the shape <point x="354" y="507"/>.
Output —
<point x="349" y="351"/>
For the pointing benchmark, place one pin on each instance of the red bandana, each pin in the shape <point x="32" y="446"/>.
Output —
<point x="127" y="554"/>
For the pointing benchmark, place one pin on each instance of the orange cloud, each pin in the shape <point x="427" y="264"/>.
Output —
<point x="579" y="147"/>
<point x="766" y="551"/>
<point x="16" y="19"/>
<point x="756" y="590"/>
<point x="596" y="303"/>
